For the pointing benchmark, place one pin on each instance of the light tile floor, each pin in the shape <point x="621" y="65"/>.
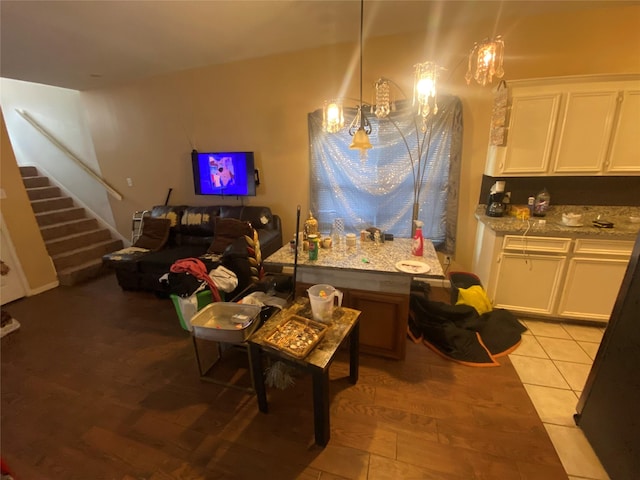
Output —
<point x="553" y="362"/>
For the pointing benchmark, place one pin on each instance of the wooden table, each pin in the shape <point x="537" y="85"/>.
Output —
<point x="344" y="325"/>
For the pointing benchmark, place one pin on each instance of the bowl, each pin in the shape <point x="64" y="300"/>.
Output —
<point x="572" y="219"/>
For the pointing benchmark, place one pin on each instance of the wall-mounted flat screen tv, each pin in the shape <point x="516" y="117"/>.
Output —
<point x="224" y="173"/>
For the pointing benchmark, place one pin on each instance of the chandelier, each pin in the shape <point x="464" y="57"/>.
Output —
<point x="487" y="56"/>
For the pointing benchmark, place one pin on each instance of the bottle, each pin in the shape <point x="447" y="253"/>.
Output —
<point x="314" y="245"/>
<point x="417" y="246"/>
<point x="541" y="205"/>
<point x="530" y="203"/>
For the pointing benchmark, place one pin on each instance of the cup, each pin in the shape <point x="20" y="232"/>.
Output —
<point x="322" y="299"/>
<point x="351" y="239"/>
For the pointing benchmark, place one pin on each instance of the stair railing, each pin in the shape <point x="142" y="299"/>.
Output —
<point x="113" y="192"/>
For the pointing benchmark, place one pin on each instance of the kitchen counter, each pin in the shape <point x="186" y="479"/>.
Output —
<point x="623" y="228"/>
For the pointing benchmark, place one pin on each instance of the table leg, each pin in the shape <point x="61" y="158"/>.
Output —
<point x="354" y="353"/>
<point x="321" y="407"/>
<point x="255" y="361"/>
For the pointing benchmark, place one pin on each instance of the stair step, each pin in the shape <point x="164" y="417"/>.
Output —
<point x="59" y="216"/>
<point x="85" y="254"/>
<point x="34" y="182"/>
<point x="64" y="229"/>
<point x="28" y="171"/>
<point x="81" y="273"/>
<point x="50" y="204"/>
<point x="38" y="193"/>
<point x="77" y="240"/>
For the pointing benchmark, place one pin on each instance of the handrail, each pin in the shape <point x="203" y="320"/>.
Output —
<point x="69" y="153"/>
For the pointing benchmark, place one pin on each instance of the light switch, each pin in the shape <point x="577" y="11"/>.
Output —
<point x="129" y="182"/>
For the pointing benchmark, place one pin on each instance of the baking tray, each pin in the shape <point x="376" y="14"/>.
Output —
<point x="297" y="336"/>
<point x="226" y="322"/>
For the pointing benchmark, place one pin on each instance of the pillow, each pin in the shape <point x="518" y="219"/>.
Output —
<point x="226" y="232"/>
<point x="155" y="233"/>
<point x="476" y="297"/>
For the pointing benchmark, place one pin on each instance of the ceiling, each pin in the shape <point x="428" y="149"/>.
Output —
<point x="99" y="43"/>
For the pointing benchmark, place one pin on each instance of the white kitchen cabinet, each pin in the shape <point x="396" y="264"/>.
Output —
<point x="584" y="131"/>
<point x="625" y="149"/>
<point x="583" y="126"/>
<point x="529" y="273"/>
<point x="594" y="276"/>
<point x="528" y="283"/>
<point x="552" y="277"/>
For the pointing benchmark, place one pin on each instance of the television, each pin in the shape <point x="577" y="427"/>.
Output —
<point x="224" y="173"/>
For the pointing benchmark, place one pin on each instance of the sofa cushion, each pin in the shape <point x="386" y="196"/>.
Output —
<point x="174" y="214"/>
<point x="155" y="233"/>
<point x="231" y="211"/>
<point x="199" y="221"/>
<point x="259" y="217"/>
<point x="227" y="231"/>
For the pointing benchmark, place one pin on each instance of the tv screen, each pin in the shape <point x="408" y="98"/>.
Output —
<point x="224" y="173"/>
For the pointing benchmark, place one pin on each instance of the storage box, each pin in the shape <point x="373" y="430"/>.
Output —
<point x="226" y="322"/>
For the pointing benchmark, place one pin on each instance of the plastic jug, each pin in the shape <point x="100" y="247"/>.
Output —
<point x="322" y="297"/>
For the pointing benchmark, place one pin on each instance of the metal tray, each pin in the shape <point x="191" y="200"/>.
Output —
<point x="226" y="322"/>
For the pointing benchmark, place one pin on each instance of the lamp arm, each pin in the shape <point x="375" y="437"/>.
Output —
<point x="413" y="163"/>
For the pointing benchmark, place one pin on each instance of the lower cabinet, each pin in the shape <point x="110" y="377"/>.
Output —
<point x="554" y="277"/>
<point x="383" y="321"/>
<point x="593" y="279"/>
<point x="528" y="283"/>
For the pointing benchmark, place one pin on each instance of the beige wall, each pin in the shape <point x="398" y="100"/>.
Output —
<point x="146" y="130"/>
<point x="21" y="224"/>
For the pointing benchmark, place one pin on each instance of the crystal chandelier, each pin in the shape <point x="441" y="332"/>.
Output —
<point x="488" y="56"/>
<point x="383" y="98"/>
<point x="424" y="90"/>
<point x="332" y="116"/>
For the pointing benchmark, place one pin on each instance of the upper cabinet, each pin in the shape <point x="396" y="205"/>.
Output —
<point x="570" y="127"/>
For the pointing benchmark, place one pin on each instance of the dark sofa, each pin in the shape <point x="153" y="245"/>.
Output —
<point x="191" y="234"/>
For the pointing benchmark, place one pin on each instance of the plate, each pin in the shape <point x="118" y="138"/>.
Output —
<point x="412" y="266"/>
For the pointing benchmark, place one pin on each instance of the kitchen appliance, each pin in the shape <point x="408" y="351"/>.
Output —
<point x="495" y="205"/>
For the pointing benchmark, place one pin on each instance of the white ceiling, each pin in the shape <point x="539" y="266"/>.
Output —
<point x="97" y="43"/>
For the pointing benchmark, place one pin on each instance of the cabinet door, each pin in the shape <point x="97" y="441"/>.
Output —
<point x="625" y="154"/>
<point x="591" y="287"/>
<point x="585" y="131"/>
<point x="528" y="283"/>
<point x="383" y="322"/>
<point x="530" y="135"/>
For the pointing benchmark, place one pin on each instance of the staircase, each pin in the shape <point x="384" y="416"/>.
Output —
<point x="75" y="241"/>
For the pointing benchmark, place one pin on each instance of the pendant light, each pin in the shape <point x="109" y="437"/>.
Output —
<point x="360" y="128"/>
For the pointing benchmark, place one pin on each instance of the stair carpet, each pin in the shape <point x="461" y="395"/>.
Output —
<point x="75" y="241"/>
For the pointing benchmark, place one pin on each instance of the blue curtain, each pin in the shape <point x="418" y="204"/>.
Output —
<point x="379" y="191"/>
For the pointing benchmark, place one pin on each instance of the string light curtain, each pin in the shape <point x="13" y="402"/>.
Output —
<point x="380" y="192"/>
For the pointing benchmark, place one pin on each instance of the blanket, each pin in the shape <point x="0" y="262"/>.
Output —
<point x="461" y="334"/>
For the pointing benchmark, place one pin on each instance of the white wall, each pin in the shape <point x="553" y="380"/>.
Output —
<point x="61" y="113"/>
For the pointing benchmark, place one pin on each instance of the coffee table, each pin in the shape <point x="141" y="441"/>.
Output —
<point x="344" y="325"/>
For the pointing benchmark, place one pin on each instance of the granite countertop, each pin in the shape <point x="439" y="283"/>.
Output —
<point x="365" y="256"/>
<point x="552" y="226"/>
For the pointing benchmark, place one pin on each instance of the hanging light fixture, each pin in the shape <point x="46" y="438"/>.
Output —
<point x="383" y="98"/>
<point x="488" y="56"/>
<point x="332" y="116"/>
<point x="424" y="90"/>
<point x="360" y="127"/>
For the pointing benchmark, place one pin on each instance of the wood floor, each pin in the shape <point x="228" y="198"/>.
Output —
<point x="102" y="384"/>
